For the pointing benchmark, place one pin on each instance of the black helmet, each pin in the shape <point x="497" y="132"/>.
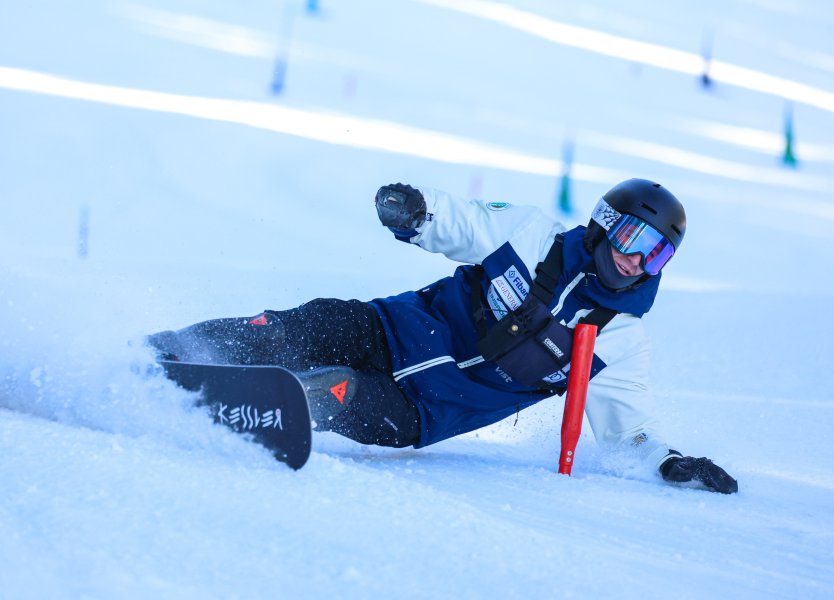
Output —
<point x="646" y="200"/>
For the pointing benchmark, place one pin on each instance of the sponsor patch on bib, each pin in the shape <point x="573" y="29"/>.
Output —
<point x="505" y="291"/>
<point x="517" y="282"/>
<point x="499" y="309"/>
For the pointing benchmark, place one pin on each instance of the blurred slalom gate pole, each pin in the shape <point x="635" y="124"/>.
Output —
<point x="580" y="373"/>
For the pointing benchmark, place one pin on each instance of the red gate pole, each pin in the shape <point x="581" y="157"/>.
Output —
<point x="578" y="376"/>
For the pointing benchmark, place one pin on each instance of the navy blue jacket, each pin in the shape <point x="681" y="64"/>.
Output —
<point x="432" y="334"/>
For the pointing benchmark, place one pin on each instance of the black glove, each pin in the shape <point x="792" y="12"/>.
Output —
<point x="680" y="469"/>
<point x="400" y="207"/>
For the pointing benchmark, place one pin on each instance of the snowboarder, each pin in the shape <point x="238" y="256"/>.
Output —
<point x="488" y="341"/>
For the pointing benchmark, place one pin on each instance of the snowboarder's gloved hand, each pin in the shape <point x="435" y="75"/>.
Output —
<point x="681" y="469"/>
<point x="401" y="208"/>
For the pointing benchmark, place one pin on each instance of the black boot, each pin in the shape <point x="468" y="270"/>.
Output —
<point x="259" y="340"/>
<point x="167" y="345"/>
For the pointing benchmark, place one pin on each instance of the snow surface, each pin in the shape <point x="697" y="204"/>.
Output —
<point x="149" y="179"/>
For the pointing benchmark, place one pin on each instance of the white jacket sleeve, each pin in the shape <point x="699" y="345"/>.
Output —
<point x="470" y="230"/>
<point x="619" y="402"/>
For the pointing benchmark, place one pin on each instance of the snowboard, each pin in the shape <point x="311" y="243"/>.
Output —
<point x="268" y="402"/>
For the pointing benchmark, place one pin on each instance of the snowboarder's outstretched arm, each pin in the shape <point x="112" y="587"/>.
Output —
<point x="464" y="230"/>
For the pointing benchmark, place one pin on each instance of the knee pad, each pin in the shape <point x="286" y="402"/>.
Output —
<point x="330" y="390"/>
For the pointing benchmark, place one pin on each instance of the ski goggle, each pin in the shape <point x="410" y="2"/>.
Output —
<point x="629" y="235"/>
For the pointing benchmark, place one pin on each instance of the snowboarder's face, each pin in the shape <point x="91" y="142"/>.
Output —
<point x="627" y="264"/>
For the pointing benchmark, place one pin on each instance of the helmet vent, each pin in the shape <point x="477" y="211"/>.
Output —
<point x="657" y="185"/>
<point x="678" y="231"/>
<point x="649" y="208"/>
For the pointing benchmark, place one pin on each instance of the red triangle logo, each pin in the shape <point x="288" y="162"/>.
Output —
<point x="339" y="390"/>
<point x="259" y="321"/>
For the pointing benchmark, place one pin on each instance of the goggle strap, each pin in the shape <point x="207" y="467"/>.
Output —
<point x="605" y="215"/>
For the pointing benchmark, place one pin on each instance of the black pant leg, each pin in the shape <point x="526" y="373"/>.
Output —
<point x="325" y="331"/>
<point x="329" y="331"/>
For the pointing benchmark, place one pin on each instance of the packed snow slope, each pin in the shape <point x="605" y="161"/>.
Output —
<point x="159" y="166"/>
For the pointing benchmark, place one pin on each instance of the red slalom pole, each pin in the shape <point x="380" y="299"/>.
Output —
<point x="580" y="372"/>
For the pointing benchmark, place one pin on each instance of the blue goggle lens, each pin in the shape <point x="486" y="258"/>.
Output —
<point x="630" y="235"/>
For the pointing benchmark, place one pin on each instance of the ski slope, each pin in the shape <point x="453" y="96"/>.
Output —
<point x="151" y="178"/>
